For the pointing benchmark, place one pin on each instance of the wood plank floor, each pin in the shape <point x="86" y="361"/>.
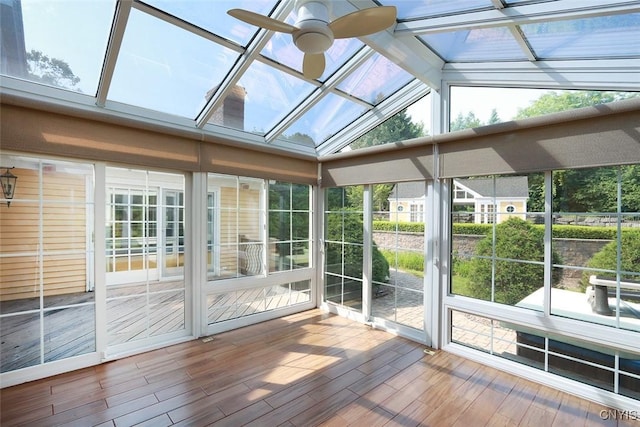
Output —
<point x="307" y="369"/>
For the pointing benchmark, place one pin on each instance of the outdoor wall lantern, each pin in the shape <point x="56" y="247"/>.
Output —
<point x="8" y="181"/>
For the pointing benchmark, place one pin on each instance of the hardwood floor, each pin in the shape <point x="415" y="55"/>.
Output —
<point x="307" y="369"/>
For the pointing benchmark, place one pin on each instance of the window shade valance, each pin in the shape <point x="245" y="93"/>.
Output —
<point x="603" y="135"/>
<point x="240" y="161"/>
<point x="37" y="131"/>
<point x="387" y="163"/>
<point x="42" y="132"/>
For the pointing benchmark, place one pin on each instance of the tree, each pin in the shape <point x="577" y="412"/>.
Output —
<point x="397" y="128"/>
<point x="465" y="122"/>
<point x="607" y="258"/>
<point x="51" y="71"/>
<point x="494" y="118"/>
<point x="630" y="176"/>
<point x="381" y="192"/>
<point x="302" y="138"/>
<point x="553" y="102"/>
<point x="581" y="190"/>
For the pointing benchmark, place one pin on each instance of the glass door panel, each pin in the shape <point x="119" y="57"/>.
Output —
<point x="146" y="293"/>
<point x="47" y="309"/>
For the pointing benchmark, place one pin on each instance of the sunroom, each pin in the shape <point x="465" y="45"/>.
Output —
<point x="169" y="173"/>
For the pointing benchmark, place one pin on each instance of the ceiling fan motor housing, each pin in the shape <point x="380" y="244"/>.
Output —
<point x="313" y="34"/>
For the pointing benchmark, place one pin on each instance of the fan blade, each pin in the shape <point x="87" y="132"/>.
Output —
<point x="363" y="22"/>
<point x="261" y="21"/>
<point x="313" y="65"/>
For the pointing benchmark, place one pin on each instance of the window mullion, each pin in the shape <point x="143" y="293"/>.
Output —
<point x="548" y="241"/>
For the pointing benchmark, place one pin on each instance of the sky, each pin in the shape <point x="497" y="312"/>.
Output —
<point x="46" y="25"/>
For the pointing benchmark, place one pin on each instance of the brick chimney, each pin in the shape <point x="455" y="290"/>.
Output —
<point x="231" y="114"/>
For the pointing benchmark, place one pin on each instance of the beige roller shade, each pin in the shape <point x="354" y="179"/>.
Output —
<point x="258" y="164"/>
<point x="29" y="130"/>
<point x="43" y="132"/>
<point x="596" y="136"/>
<point x="387" y="163"/>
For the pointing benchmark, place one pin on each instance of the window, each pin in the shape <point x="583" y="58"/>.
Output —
<point x="585" y="272"/>
<point x="237" y="236"/>
<point x="501" y="261"/>
<point x="417" y="212"/>
<point x="289" y="226"/>
<point x="398" y="260"/>
<point x="47" y="263"/>
<point x="344" y="234"/>
<point x="236" y="215"/>
<point x="596" y="218"/>
<point x="145" y="226"/>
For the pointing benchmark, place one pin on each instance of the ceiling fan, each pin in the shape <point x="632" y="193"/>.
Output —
<point x="313" y="33"/>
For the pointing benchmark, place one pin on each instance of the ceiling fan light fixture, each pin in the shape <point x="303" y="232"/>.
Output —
<point x="313" y="32"/>
<point x="313" y="37"/>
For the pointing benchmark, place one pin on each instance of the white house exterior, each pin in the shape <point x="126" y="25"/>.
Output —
<point x="480" y="200"/>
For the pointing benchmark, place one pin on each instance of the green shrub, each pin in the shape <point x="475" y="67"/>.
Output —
<point x="350" y="228"/>
<point x="515" y="239"/>
<point x="559" y="231"/>
<point x="607" y="257"/>
<point x="583" y="232"/>
<point x="405" y="227"/>
<point x="472" y="229"/>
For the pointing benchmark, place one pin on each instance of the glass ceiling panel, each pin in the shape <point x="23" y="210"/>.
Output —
<point x="375" y="80"/>
<point x="213" y="17"/>
<point x="281" y="49"/>
<point x="75" y="33"/>
<point x="485" y="44"/>
<point x="406" y="124"/>
<point x="509" y="2"/>
<point x="269" y="95"/>
<point x="328" y="116"/>
<point x="599" y="37"/>
<point x="165" y="68"/>
<point x="413" y="9"/>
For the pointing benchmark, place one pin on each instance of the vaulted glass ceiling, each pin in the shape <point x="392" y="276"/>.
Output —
<point x="187" y="64"/>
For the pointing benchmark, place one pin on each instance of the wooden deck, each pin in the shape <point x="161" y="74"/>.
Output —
<point x="132" y="314"/>
<point x="307" y="369"/>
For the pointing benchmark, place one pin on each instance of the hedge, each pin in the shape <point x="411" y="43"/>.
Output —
<point x="559" y="231"/>
<point x="406" y="227"/>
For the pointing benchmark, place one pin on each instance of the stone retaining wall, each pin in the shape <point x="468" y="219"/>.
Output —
<point x="572" y="251"/>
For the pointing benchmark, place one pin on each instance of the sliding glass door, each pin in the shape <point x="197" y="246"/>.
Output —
<point x="145" y="226"/>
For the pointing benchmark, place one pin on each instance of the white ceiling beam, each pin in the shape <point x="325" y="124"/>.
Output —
<point x="614" y="74"/>
<point x="358" y="59"/>
<point x="522" y="42"/>
<point x="408" y="53"/>
<point x="118" y="26"/>
<point x="186" y="26"/>
<point x="517" y="15"/>
<point x="386" y="109"/>
<point x="237" y="71"/>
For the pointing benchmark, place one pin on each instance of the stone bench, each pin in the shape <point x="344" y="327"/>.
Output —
<point x="601" y="285"/>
